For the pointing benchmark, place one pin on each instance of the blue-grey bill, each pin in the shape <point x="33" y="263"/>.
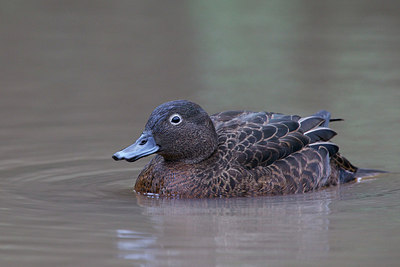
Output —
<point x="144" y="146"/>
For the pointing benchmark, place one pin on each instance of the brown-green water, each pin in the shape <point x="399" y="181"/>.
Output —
<point x="78" y="81"/>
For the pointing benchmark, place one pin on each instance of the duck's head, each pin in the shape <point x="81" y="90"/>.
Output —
<point x="179" y="130"/>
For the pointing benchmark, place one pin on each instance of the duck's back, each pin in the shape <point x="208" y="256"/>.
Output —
<point x="283" y="153"/>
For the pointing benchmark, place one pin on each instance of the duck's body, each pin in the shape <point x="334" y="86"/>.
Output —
<point x="235" y="153"/>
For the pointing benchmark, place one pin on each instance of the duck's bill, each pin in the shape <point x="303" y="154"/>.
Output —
<point x="144" y="146"/>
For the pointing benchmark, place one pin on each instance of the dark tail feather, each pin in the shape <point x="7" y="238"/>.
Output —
<point x="362" y="173"/>
<point x="348" y="176"/>
<point x="326" y="115"/>
<point x="336" y="120"/>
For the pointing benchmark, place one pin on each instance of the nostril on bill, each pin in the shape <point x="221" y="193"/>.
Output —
<point x="143" y="142"/>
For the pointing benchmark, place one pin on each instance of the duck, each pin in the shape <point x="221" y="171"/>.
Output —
<point x="236" y="153"/>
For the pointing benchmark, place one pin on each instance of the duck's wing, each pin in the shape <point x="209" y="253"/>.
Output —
<point x="242" y="117"/>
<point x="261" y="139"/>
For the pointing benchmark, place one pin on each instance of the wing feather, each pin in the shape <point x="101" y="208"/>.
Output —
<point x="262" y="138"/>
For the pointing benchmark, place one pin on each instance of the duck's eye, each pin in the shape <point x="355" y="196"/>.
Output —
<point x="175" y="119"/>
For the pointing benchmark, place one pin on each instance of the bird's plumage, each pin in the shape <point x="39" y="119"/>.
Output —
<point x="238" y="153"/>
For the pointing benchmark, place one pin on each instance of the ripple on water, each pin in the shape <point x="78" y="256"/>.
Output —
<point x="82" y="199"/>
<point x="82" y="180"/>
<point x="67" y="181"/>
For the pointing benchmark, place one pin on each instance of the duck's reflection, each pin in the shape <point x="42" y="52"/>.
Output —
<point x="221" y="231"/>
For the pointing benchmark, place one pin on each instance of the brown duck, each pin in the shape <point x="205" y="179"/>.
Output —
<point x="236" y="153"/>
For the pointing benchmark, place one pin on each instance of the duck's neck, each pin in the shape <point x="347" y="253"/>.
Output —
<point x="195" y="150"/>
<point x="205" y="153"/>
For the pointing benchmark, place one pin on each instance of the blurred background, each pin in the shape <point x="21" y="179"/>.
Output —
<point x="89" y="73"/>
<point x="78" y="80"/>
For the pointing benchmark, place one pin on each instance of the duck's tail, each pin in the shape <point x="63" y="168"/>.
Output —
<point x="348" y="172"/>
<point x="316" y="127"/>
<point x="364" y="173"/>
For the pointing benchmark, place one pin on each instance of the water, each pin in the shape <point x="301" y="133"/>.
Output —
<point x="79" y="80"/>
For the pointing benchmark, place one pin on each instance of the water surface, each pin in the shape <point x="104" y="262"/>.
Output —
<point x="79" y="80"/>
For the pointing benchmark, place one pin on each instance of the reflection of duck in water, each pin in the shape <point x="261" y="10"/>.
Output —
<point x="283" y="228"/>
<point x="236" y="153"/>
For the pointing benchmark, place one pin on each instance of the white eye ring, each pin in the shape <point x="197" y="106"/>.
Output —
<point x="175" y="119"/>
